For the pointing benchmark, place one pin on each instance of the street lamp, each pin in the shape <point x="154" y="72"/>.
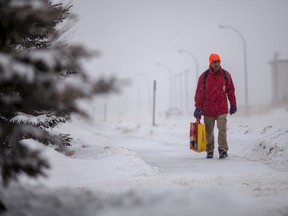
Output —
<point x="245" y="59"/>
<point x="181" y="89"/>
<point x="170" y="74"/>
<point x="196" y="74"/>
<point x="195" y="60"/>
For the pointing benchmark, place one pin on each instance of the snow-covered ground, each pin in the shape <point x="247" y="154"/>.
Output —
<point x="131" y="168"/>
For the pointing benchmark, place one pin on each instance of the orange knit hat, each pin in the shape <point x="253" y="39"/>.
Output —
<point x="214" y="57"/>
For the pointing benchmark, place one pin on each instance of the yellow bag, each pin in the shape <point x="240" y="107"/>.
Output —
<point x="197" y="136"/>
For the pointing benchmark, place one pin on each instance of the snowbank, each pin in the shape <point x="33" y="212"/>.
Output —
<point x="148" y="201"/>
<point x="97" y="177"/>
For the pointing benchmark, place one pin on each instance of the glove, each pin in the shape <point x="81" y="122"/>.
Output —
<point x="197" y="113"/>
<point x="233" y="110"/>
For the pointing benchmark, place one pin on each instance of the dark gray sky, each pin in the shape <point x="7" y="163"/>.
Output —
<point x="135" y="34"/>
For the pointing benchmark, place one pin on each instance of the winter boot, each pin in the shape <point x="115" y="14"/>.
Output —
<point x="210" y="155"/>
<point x="222" y="154"/>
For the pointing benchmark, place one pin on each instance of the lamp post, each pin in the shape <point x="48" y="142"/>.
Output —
<point x="181" y="89"/>
<point x="195" y="60"/>
<point x="196" y="74"/>
<point x="170" y="75"/>
<point x="245" y="59"/>
<point x="186" y="91"/>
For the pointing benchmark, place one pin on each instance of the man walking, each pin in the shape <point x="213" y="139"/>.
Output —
<point x="215" y="85"/>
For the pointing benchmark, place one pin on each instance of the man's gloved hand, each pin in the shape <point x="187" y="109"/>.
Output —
<point x="197" y="113"/>
<point x="233" y="110"/>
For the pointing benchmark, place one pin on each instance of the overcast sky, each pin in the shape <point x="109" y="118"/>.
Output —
<point x="135" y="34"/>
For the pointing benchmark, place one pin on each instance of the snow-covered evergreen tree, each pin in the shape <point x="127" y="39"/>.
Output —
<point x="41" y="80"/>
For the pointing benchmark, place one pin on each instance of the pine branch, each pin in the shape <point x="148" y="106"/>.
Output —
<point x="41" y="82"/>
<point x="21" y="163"/>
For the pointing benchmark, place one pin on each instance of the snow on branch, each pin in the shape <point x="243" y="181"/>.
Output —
<point x="41" y="121"/>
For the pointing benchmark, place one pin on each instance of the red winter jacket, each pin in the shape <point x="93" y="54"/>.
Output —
<point x="213" y="101"/>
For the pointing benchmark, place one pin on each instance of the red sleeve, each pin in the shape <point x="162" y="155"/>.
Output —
<point x="231" y="91"/>
<point x="199" y="92"/>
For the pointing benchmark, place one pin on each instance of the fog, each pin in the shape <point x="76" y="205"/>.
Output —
<point x="141" y="39"/>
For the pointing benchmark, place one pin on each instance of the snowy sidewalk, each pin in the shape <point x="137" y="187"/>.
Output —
<point x="177" y="158"/>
